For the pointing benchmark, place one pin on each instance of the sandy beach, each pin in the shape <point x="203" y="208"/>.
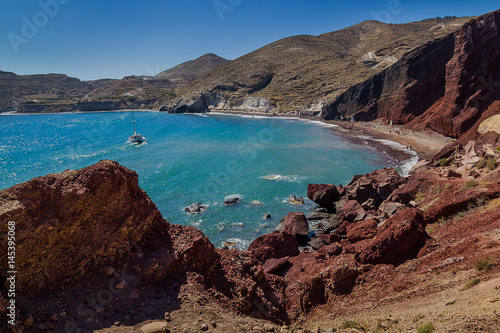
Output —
<point x="425" y="144"/>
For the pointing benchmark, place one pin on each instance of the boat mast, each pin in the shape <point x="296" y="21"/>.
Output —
<point x="133" y="122"/>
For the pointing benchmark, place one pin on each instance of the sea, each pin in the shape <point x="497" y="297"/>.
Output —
<point x="200" y="158"/>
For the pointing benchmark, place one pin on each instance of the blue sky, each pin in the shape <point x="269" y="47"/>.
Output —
<point x="92" y="39"/>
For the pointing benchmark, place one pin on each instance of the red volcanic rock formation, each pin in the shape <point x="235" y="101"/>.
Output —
<point x="85" y="230"/>
<point x="275" y="245"/>
<point x="449" y="85"/>
<point x="296" y="224"/>
<point x="396" y="239"/>
<point x="323" y="194"/>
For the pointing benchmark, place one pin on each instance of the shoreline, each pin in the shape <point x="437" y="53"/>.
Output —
<point x="425" y="144"/>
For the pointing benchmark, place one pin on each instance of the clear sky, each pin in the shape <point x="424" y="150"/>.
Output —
<point x="92" y="39"/>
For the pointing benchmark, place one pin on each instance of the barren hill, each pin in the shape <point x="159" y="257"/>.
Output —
<point x="190" y="70"/>
<point x="301" y="70"/>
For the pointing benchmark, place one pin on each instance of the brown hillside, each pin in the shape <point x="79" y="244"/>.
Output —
<point x="301" y="70"/>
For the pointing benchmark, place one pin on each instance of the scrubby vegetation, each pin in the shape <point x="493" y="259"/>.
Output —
<point x="483" y="264"/>
<point x="470" y="184"/>
<point x="427" y="328"/>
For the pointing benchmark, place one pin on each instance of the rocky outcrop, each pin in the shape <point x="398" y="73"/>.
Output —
<point x="274" y="246"/>
<point x="449" y="85"/>
<point x="96" y="227"/>
<point x="211" y="101"/>
<point x="323" y="194"/>
<point x="401" y="235"/>
<point x="296" y="224"/>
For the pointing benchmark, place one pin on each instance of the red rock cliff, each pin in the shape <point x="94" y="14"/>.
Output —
<point x="448" y="85"/>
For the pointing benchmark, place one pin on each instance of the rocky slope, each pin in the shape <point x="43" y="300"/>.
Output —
<point x="304" y="72"/>
<point x="91" y="240"/>
<point x="57" y="92"/>
<point x="191" y="70"/>
<point x="449" y="85"/>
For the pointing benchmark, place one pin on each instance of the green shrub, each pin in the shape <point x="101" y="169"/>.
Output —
<point x="443" y="220"/>
<point x="481" y="163"/>
<point x="491" y="164"/>
<point x="348" y="324"/>
<point x="427" y="328"/>
<point x="470" y="184"/>
<point x="419" y="197"/>
<point x="498" y="148"/>
<point x="483" y="264"/>
<point x="443" y="161"/>
<point x="471" y="283"/>
<point x="438" y="189"/>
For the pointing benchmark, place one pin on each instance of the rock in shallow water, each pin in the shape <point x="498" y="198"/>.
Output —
<point x="195" y="208"/>
<point x="231" y="199"/>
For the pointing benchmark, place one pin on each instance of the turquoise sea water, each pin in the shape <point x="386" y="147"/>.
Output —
<point x="191" y="158"/>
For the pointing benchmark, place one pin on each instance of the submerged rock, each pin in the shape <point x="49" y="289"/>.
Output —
<point x="297" y="201"/>
<point x="195" y="208"/>
<point x="231" y="199"/>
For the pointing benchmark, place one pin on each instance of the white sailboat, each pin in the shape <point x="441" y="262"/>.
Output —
<point x="136" y="138"/>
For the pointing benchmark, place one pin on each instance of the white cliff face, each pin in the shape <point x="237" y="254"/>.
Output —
<point x="256" y="104"/>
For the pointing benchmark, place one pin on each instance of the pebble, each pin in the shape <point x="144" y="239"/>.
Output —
<point x="204" y="327"/>
<point x="45" y="327"/>
<point x="54" y="317"/>
<point x="167" y="316"/>
<point x="214" y="324"/>
<point x="110" y="271"/>
<point x="120" y="285"/>
<point x="268" y="328"/>
<point x="267" y="216"/>
<point x="157" y="327"/>
<point x="28" y="321"/>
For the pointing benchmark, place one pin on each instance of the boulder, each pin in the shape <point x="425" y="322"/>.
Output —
<point x="399" y="238"/>
<point x="362" y="190"/>
<point x="389" y="208"/>
<point x="318" y="216"/>
<point x="329" y="238"/>
<point x="272" y="266"/>
<point x="362" y="230"/>
<point x="451" y="174"/>
<point x="332" y="249"/>
<point x="332" y="224"/>
<point x="195" y="208"/>
<point x="296" y="224"/>
<point x="231" y="199"/>
<point x="275" y="245"/>
<point x="316" y="243"/>
<point x="351" y="210"/>
<point x="369" y="204"/>
<point x="323" y="194"/>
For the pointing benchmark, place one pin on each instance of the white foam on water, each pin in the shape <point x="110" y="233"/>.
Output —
<point x="240" y="243"/>
<point x="287" y="178"/>
<point x="407" y="164"/>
